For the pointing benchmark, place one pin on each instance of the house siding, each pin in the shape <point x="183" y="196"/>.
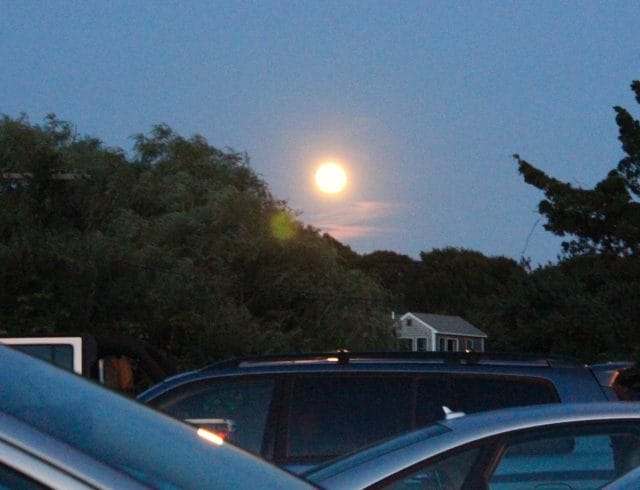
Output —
<point x="411" y="328"/>
<point x="477" y="343"/>
<point x="414" y="332"/>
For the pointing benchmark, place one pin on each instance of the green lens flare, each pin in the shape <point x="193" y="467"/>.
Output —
<point x="282" y="226"/>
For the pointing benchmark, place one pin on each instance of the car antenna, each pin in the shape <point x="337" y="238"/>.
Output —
<point x="450" y="414"/>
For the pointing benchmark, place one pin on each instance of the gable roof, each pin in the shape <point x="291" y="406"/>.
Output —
<point x="447" y="324"/>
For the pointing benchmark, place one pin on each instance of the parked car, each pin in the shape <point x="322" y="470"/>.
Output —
<point x="118" y="361"/>
<point x="300" y="410"/>
<point x="559" y="446"/>
<point x="61" y="431"/>
<point x="622" y="378"/>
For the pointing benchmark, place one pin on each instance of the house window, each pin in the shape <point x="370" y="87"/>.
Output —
<point x="448" y="344"/>
<point x="421" y="344"/>
<point x="405" y="345"/>
<point x="407" y="322"/>
<point x="468" y="344"/>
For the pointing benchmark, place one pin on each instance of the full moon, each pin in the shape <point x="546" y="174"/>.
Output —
<point x="331" y="178"/>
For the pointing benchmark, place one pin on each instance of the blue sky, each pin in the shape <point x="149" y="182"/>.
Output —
<point x="423" y="101"/>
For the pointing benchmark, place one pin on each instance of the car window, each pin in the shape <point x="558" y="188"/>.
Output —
<point x="59" y="354"/>
<point x="333" y="415"/>
<point x="448" y="473"/>
<point x="10" y="479"/>
<point x="582" y="457"/>
<point x="628" y="481"/>
<point x="479" y="393"/>
<point x="475" y="393"/>
<point x="349" y="462"/>
<point x="234" y="408"/>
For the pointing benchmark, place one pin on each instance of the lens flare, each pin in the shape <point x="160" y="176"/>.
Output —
<point x="210" y="436"/>
<point x="283" y="226"/>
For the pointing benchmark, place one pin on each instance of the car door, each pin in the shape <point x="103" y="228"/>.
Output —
<point x="576" y="456"/>
<point x="238" y="408"/>
<point x="584" y="456"/>
<point x="332" y="414"/>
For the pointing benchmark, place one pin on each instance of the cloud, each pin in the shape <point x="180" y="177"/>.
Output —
<point x="359" y="219"/>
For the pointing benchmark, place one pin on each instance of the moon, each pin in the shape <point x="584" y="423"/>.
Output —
<point x="331" y="178"/>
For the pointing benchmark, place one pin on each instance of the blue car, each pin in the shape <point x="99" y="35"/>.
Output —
<point x="559" y="446"/>
<point x="61" y="431"/>
<point x="300" y="410"/>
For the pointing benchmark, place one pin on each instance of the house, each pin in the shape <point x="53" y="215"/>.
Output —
<point x="443" y="333"/>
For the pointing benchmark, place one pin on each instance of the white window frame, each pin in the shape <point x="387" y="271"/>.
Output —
<point x="74" y="342"/>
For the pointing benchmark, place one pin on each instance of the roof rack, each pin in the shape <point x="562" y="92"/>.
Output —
<point x="344" y="357"/>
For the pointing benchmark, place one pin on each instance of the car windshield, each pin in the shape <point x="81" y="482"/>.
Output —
<point x="357" y="458"/>
<point x="124" y="434"/>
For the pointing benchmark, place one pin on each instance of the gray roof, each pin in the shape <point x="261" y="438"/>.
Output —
<point x="453" y="325"/>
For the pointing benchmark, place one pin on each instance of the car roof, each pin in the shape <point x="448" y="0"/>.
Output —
<point x="344" y="357"/>
<point x="508" y="419"/>
<point x="572" y="380"/>
<point x="381" y="460"/>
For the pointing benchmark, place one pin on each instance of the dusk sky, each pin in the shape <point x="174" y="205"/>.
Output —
<point x="423" y="102"/>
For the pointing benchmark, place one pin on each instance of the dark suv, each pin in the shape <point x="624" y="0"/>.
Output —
<point x="299" y="410"/>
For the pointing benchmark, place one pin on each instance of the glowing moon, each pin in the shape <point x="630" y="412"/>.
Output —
<point x="331" y="178"/>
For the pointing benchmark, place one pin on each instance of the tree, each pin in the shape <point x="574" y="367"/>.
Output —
<point x="182" y="245"/>
<point x="458" y="281"/>
<point x="586" y="304"/>
<point x="605" y="219"/>
<point x="398" y="273"/>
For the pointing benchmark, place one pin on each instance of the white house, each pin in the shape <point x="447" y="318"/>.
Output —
<point x="424" y="332"/>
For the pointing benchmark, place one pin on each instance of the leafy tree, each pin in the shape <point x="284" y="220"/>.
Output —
<point x="448" y="281"/>
<point x="584" y="307"/>
<point x="459" y="281"/>
<point x="605" y="219"/>
<point x="398" y="273"/>
<point x="181" y="244"/>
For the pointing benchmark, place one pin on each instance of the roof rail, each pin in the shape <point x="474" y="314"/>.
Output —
<point x="345" y="357"/>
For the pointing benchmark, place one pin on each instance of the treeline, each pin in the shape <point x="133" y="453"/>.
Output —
<point x="183" y="245"/>
<point x="585" y="305"/>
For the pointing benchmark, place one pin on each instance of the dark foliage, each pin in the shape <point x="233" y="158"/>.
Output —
<point x="182" y="245"/>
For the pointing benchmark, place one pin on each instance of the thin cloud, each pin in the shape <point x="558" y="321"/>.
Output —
<point x="347" y="232"/>
<point x="358" y="219"/>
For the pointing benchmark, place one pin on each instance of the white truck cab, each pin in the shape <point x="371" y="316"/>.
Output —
<point x="75" y="353"/>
